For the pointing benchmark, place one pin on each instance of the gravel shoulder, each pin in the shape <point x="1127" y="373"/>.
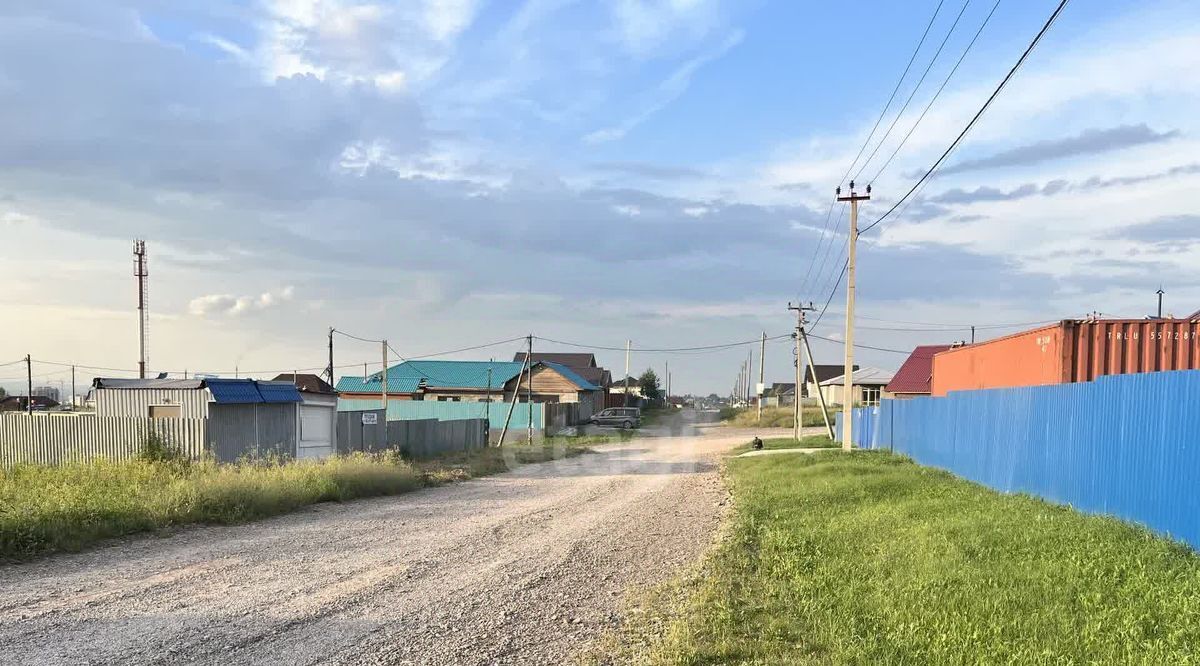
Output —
<point x="526" y="567"/>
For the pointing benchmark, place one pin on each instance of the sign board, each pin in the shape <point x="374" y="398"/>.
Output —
<point x="370" y="418"/>
<point x="760" y="388"/>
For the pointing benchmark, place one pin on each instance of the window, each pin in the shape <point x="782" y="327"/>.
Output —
<point x="870" y="395"/>
<point x="166" y="411"/>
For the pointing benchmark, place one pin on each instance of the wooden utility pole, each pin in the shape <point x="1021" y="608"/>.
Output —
<point x="628" y="343"/>
<point x="29" y="385"/>
<point x="762" y="363"/>
<point x="749" y="374"/>
<point x="848" y="383"/>
<point x="329" y="370"/>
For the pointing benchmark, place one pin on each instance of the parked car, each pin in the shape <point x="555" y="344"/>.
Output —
<point x="621" y="417"/>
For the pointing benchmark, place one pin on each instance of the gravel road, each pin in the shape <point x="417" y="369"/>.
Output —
<point x="521" y="568"/>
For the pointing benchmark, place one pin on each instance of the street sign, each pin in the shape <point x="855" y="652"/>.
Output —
<point x="370" y="418"/>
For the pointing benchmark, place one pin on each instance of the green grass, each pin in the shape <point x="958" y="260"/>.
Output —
<point x="868" y="558"/>
<point x="810" y="442"/>
<point x="47" y="509"/>
<point x="774" y="417"/>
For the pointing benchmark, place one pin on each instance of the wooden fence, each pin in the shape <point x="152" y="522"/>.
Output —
<point x="52" y="439"/>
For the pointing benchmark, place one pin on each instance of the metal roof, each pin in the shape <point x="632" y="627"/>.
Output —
<point x="863" y="377"/>
<point x="279" y="392"/>
<point x="569" y="359"/>
<point x="407" y="377"/>
<point x="129" y="384"/>
<point x="583" y="384"/>
<point x="916" y="375"/>
<point x="248" y="391"/>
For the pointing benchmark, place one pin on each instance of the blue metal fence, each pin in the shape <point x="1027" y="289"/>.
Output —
<point x="1123" y="445"/>
<point x="407" y="410"/>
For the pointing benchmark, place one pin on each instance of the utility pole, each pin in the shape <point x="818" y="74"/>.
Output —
<point x="762" y="363"/>
<point x="666" y="372"/>
<point x="1160" y="293"/>
<point x="848" y="383"/>
<point x="139" y="253"/>
<point x="512" y="405"/>
<point x="329" y="370"/>
<point x="72" y="388"/>
<point x="628" y="343"/>
<point x="972" y="334"/>
<point x="28" y="385"/>
<point x="749" y="374"/>
<point x="384" y="385"/>
<point x="529" y="384"/>
<point x="803" y="348"/>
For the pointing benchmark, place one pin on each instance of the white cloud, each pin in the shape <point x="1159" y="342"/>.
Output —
<point x="227" y="305"/>
<point x="644" y="25"/>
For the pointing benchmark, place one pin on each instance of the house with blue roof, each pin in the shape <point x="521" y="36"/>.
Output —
<point x="476" y="381"/>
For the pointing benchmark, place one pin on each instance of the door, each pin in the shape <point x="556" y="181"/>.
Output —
<point x="316" y="431"/>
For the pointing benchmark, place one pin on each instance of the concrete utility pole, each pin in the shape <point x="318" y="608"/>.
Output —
<point x="749" y="374"/>
<point x="848" y="384"/>
<point x="529" y="384"/>
<point x="628" y="343"/>
<point x="73" y="386"/>
<point x="512" y="405"/>
<point x="28" y="385"/>
<point x="384" y="385"/>
<point x="139" y="254"/>
<point x="803" y="349"/>
<point x="666" y="371"/>
<point x="762" y="363"/>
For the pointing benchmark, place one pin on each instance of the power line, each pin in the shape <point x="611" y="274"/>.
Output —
<point x="892" y="97"/>
<point x="463" y="349"/>
<point x="978" y="114"/>
<point x="829" y="213"/>
<point x="938" y="93"/>
<point x="914" y="90"/>
<point x="665" y="350"/>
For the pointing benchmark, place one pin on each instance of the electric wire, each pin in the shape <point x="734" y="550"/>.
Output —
<point x="1004" y="82"/>
<point x="917" y="87"/>
<point x="937" y="94"/>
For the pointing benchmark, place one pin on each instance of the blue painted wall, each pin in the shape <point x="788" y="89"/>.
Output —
<point x="1124" y="445"/>
<point x="407" y="410"/>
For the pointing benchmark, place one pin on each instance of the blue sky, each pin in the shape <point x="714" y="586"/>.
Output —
<point x="446" y="173"/>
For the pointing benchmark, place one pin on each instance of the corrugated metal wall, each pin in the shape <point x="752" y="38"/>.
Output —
<point x="136" y="403"/>
<point x="1124" y="445"/>
<point x="451" y="411"/>
<point x="255" y="430"/>
<point x="52" y="439"/>
<point x="419" y="438"/>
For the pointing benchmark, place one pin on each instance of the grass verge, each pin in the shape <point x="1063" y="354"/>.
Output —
<point x="810" y="442"/>
<point x="871" y="559"/>
<point x="773" y="417"/>
<point x="67" y="508"/>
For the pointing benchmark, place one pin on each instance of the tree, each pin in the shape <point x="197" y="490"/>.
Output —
<point x="648" y="382"/>
<point x="3" y="393"/>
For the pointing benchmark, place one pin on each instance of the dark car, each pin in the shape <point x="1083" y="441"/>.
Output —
<point x="620" y="417"/>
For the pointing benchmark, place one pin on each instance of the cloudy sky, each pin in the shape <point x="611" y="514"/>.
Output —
<point x="450" y="173"/>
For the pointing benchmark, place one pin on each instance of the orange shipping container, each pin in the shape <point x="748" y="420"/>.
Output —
<point x="1069" y="351"/>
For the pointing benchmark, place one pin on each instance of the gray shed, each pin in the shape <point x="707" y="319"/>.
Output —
<point x="239" y="417"/>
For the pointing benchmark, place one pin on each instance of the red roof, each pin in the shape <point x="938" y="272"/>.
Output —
<point x="916" y="374"/>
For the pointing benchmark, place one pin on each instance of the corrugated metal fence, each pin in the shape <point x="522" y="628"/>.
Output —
<point x="405" y="410"/>
<point x="419" y="438"/>
<point x="52" y="439"/>
<point x="1125" y="445"/>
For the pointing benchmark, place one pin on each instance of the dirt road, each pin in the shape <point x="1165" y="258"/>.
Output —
<point x="520" y="568"/>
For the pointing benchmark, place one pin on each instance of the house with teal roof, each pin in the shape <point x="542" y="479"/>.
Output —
<point x="475" y="381"/>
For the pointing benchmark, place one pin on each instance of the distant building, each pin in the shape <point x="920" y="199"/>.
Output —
<point x="915" y="377"/>
<point x="47" y="392"/>
<point x="867" y="387"/>
<point x="20" y="403"/>
<point x="583" y="364"/>
<point x="476" y="381"/>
